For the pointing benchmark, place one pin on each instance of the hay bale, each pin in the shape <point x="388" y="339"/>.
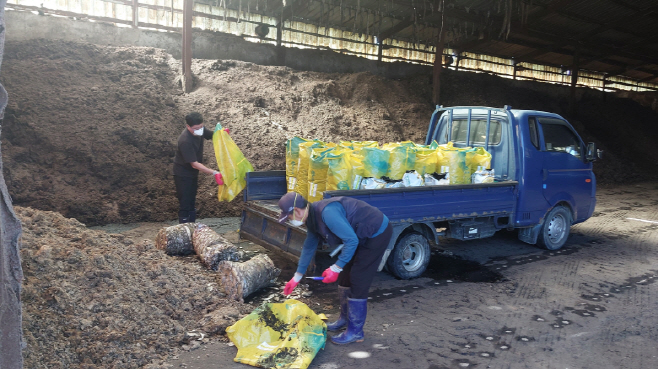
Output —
<point x="176" y="240"/>
<point x="211" y="248"/>
<point x="242" y="279"/>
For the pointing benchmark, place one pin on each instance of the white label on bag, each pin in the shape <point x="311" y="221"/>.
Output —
<point x="291" y="183"/>
<point x="313" y="189"/>
<point x="357" y="182"/>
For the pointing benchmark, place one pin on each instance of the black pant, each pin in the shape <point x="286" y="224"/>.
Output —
<point x="186" y="188"/>
<point x="360" y="271"/>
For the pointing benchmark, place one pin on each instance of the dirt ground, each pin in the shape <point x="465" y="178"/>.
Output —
<point x="88" y="140"/>
<point x="90" y="130"/>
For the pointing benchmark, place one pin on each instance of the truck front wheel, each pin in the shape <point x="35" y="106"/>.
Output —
<point x="555" y="231"/>
<point x="410" y="256"/>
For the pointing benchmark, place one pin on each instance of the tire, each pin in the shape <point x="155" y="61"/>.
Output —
<point x="555" y="231"/>
<point x="410" y="256"/>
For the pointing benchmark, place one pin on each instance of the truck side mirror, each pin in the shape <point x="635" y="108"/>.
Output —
<point x="593" y="153"/>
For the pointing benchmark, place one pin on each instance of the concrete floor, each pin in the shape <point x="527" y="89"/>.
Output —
<point x="593" y="304"/>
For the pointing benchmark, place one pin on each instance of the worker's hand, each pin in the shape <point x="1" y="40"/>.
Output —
<point x="331" y="274"/>
<point x="219" y="179"/>
<point x="292" y="283"/>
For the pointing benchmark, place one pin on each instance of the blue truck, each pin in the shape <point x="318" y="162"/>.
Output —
<point x="543" y="184"/>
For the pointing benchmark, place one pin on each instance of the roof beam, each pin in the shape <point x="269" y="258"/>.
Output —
<point x="395" y="29"/>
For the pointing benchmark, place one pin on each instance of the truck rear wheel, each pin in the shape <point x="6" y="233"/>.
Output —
<point x="555" y="231"/>
<point x="410" y="256"/>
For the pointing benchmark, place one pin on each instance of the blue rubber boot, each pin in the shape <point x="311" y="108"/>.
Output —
<point x="343" y="295"/>
<point x="357" y="310"/>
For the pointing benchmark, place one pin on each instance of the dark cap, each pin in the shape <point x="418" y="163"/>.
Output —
<point x="288" y="202"/>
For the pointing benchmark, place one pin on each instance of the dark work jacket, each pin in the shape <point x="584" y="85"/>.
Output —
<point x="364" y="219"/>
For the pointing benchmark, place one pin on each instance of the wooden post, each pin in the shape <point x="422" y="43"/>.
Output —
<point x="188" y="6"/>
<point x="135" y="13"/>
<point x="574" y="81"/>
<point x="280" y="50"/>
<point x="438" y="67"/>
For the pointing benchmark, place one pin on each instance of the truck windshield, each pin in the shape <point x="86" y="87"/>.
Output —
<point x="478" y="131"/>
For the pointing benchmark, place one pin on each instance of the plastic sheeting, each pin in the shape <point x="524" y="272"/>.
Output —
<point x="232" y="164"/>
<point x="285" y="335"/>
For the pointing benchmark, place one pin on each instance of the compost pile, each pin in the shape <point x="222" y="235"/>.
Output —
<point x="90" y="130"/>
<point x="93" y="299"/>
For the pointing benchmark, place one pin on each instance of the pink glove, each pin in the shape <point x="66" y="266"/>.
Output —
<point x="290" y="286"/>
<point x="331" y="274"/>
<point x="227" y="130"/>
<point x="218" y="179"/>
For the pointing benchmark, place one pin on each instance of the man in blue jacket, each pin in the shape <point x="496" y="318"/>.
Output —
<point x="365" y="233"/>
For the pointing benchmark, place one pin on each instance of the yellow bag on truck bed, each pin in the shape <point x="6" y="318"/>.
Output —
<point x="340" y="170"/>
<point x="305" y="148"/>
<point x="426" y="160"/>
<point x="375" y="162"/>
<point x="454" y="163"/>
<point x="478" y="158"/>
<point x="401" y="159"/>
<point x="292" y="159"/>
<point x="286" y="335"/>
<point x="231" y="163"/>
<point x="317" y="173"/>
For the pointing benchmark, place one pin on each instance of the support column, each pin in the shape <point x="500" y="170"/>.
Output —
<point x="438" y="67"/>
<point x="380" y="50"/>
<point x="574" y="81"/>
<point x="514" y="72"/>
<point x="188" y="6"/>
<point x="280" y="50"/>
<point x="135" y="13"/>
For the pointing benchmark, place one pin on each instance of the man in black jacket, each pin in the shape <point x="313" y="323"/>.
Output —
<point x="188" y="162"/>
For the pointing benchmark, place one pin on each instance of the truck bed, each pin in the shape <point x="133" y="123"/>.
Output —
<point x="403" y="206"/>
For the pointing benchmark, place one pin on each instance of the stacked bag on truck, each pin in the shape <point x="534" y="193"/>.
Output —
<point x="313" y="166"/>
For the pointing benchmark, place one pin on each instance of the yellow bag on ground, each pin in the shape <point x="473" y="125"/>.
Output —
<point x="286" y="335"/>
<point x="317" y="173"/>
<point x="340" y="170"/>
<point x="292" y="158"/>
<point x="231" y="163"/>
<point x="478" y="158"/>
<point x="375" y="162"/>
<point x="305" y="148"/>
<point x="402" y="158"/>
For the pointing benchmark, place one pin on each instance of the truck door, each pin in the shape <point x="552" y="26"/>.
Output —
<point x="566" y="175"/>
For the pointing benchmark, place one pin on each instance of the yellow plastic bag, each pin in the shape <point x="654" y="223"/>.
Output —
<point x="402" y="158"/>
<point x="426" y="160"/>
<point x="478" y="158"/>
<point x="305" y="149"/>
<point x="375" y="162"/>
<point x="292" y="158"/>
<point x="340" y="170"/>
<point x="286" y="335"/>
<point x="454" y="162"/>
<point x="232" y="164"/>
<point x="317" y="173"/>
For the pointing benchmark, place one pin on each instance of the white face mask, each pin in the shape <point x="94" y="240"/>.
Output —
<point x="198" y="132"/>
<point x="298" y="223"/>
